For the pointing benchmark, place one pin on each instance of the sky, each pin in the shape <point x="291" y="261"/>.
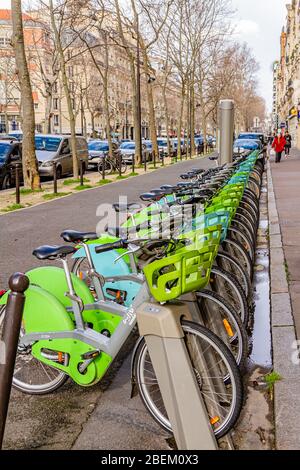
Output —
<point x="259" y="23"/>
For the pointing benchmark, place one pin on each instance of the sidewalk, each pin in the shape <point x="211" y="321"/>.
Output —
<point x="284" y="215"/>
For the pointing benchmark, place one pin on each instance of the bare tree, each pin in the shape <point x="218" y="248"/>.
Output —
<point x="30" y="167"/>
<point x="60" y="29"/>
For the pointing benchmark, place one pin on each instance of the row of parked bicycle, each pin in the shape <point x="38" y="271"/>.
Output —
<point x="193" y="241"/>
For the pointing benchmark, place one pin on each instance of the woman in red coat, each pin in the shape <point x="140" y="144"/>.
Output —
<point x="278" y="145"/>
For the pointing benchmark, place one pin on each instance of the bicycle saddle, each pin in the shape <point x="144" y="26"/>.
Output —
<point x="169" y="187"/>
<point x="162" y="192"/>
<point x="72" y="236"/>
<point x="53" y="252"/>
<point x="147" y="197"/>
<point x="127" y="207"/>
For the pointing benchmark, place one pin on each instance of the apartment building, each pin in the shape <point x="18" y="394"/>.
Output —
<point x="85" y="84"/>
<point x="288" y="73"/>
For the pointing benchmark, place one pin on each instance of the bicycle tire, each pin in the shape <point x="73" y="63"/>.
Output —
<point x="233" y="267"/>
<point x="29" y="388"/>
<point x="236" y="382"/>
<point x="236" y="297"/>
<point x="235" y="249"/>
<point x="234" y="320"/>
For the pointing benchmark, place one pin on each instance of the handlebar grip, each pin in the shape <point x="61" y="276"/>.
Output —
<point x="111" y="246"/>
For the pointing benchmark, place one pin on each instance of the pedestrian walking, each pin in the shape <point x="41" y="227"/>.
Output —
<point x="288" y="144"/>
<point x="278" y="145"/>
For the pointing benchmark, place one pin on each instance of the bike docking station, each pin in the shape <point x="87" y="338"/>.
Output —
<point x="164" y="336"/>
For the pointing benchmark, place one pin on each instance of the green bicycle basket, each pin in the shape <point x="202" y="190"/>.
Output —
<point x="175" y="275"/>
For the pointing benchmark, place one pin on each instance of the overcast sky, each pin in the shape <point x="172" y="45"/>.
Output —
<point x="259" y="23"/>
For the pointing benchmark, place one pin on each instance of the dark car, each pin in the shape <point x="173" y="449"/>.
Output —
<point x="99" y="149"/>
<point x="10" y="154"/>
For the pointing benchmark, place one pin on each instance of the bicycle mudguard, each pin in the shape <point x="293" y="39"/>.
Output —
<point x="43" y="312"/>
<point x="53" y="280"/>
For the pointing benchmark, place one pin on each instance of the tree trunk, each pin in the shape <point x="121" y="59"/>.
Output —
<point x="106" y="96"/>
<point x="192" y="112"/>
<point x="179" y="153"/>
<point x="30" y="165"/>
<point x="152" y="118"/>
<point x="72" y="119"/>
<point x="167" y="120"/>
<point x="48" y="129"/>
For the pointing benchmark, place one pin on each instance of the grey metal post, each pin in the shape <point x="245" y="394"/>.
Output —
<point x="18" y="283"/>
<point x="161" y="327"/>
<point x="226" y="110"/>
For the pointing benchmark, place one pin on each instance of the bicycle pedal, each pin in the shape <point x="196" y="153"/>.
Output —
<point x="90" y="355"/>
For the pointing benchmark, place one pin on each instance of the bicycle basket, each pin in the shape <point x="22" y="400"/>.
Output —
<point x="175" y="275"/>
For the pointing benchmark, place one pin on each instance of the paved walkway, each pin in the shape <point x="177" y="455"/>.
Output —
<point x="286" y="181"/>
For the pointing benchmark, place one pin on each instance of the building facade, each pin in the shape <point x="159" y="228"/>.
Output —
<point x="85" y="84"/>
<point x="288" y="74"/>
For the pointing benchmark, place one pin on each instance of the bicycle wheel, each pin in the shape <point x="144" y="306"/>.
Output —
<point x="218" y="316"/>
<point x="123" y="167"/>
<point x="32" y="376"/>
<point x="243" y="239"/>
<point x="108" y="167"/>
<point x="226" y="285"/>
<point x="237" y="251"/>
<point x="211" y="361"/>
<point x="229" y="264"/>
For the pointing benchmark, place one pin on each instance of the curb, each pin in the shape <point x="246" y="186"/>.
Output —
<point x="286" y="391"/>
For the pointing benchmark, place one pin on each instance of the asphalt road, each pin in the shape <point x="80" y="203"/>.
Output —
<point x="66" y="417"/>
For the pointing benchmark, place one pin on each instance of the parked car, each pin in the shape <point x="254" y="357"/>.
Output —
<point x="253" y="135"/>
<point x="148" y="150"/>
<point x="127" y="150"/>
<point x="182" y="144"/>
<point x="7" y="137"/>
<point x="98" y="149"/>
<point x="17" y="135"/>
<point x="163" y="146"/>
<point x="57" y="148"/>
<point x="242" y="145"/>
<point x="10" y="154"/>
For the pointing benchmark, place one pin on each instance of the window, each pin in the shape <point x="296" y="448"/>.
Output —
<point x="72" y="87"/>
<point x="70" y="71"/>
<point x="55" y="87"/>
<point x="73" y="103"/>
<point x="4" y="42"/>
<point x="55" y="103"/>
<point x="36" y="105"/>
<point x="56" y="119"/>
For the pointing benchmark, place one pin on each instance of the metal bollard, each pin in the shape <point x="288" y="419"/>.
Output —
<point x="54" y="178"/>
<point x="81" y="172"/>
<point x="161" y="327"/>
<point x="18" y="283"/>
<point x="119" y="163"/>
<point x="145" y="162"/>
<point x="103" y="166"/>
<point x="18" y="199"/>
<point x="162" y="158"/>
<point x="154" y="158"/>
<point x="226" y="111"/>
<point x="133" y="163"/>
